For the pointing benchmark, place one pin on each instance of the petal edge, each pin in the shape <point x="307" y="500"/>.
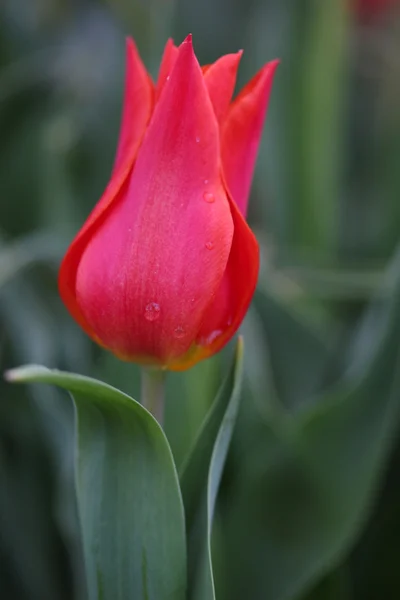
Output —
<point x="138" y="86"/>
<point x="241" y="134"/>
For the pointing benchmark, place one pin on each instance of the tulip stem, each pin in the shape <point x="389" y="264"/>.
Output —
<point x="153" y="392"/>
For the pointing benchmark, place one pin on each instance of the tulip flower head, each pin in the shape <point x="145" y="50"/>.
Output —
<point x="164" y="269"/>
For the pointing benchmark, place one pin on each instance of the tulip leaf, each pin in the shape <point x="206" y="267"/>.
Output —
<point x="303" y="490"/>
<point x="128" y="493"/>
<point x="201" y="478"/>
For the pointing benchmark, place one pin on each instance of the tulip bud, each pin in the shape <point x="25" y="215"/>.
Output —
<point x="164" y="269"/>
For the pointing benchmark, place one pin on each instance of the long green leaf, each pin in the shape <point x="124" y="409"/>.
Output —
<point x="201" y="479"/>
<point x="128" y="493"/>
<point x="303" y="492"/>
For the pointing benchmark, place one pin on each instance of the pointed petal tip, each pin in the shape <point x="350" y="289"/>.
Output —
<point x="186" y="48"/>
<point x="267" y="71"/>
<point x="130" y="44"/>
<point x="270" y="67"/>
<point x="242" y="132"/>
<point x="220" y="79"/>
<point x="131" y="52"/>
<point x="263" y="80"/>
<point x="235" y="55"/>
<point x="170" y="45"/>
<point x="268" y="75"/>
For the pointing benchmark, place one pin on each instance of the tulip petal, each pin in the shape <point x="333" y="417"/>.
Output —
<point x="154" y="264"/>
<point x="220" y="78"/>
<point x="138" y="98"/>
<point x="138" y="106"/>
<point x="167" y="64"/>
<point x="241" y="134"/>
<point x="231" y="302"/>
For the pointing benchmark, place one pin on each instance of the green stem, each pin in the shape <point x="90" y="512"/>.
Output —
<point x="153" y="392"/>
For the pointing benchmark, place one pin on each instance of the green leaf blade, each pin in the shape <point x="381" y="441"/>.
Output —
<point x="129" y="500"/>
<point x="201" y="478"/>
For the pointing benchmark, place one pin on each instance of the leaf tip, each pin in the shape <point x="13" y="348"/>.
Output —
<point x="22" y="374"/>
<point x="9" y="375"/>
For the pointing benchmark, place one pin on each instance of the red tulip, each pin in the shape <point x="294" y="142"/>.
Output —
<point x="164" y="269"/>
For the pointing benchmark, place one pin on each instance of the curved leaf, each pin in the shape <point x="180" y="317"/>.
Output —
<point x="201" y="478"/>
<point x="304" y="489"/>
<point x="128" y="493"/>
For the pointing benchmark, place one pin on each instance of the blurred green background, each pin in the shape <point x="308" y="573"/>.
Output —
<point x="310" y="503"/>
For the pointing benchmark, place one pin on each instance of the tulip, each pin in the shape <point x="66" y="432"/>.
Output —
<point x="164" y="269"/>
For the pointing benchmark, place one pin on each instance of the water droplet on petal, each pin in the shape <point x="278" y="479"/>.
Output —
<point x="213" y="336"/>
<point x="209" y="197"/>
<point x="205" y="181"/>
<point x="179" y="332"/>
<point x="152" y="311"/>
<point x="197" y="139"/>
<point x="209" y="245"/>
<point x="168" y="77"/>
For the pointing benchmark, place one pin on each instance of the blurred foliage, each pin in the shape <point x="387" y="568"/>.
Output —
<point x="309" y="507"/>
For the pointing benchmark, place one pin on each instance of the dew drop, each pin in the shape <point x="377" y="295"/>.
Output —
<point x="152" y="311"/>
<point x="209" y="197"/>
<point x="197" y="139"/>
<point x="168" y="77"/>
<point x="213" y="336"/>
<point x="205" y="181"/>
<point x="179" y="332"/>
<point x="209" y="245"/>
